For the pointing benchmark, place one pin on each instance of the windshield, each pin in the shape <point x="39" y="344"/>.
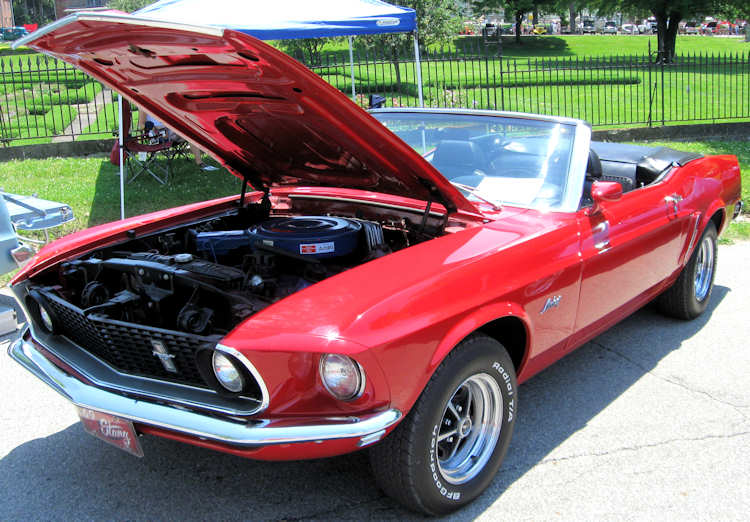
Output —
<point x="497" y="160"/>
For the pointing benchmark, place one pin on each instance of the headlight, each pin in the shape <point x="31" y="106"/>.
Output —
<point x="46" y="318"/>
<point x="227" y="372"/>
<point x="342" y="376"/>
<point x="41" y="313"/>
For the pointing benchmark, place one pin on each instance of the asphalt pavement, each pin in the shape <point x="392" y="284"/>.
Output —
<point x="649" y="421"/>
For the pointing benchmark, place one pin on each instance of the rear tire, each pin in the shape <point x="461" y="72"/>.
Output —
<point x="688" y="297"/>
<point x="449" y="447"/>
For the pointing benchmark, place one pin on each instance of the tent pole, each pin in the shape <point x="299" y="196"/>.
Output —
<point x="122" y="161"/>
<point x="419" y="70"/>
<point x="351" y="66"/>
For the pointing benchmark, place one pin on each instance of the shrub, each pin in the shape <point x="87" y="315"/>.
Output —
<point x="53" y="122"/>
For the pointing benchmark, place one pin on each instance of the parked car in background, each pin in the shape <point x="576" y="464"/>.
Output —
<point x="609" y="28"/>
<point x="709" y="27"/>
<point x="490" y="32"/>
<point x="13" y="33"/>
<point x="724" y="28"/>
<point x="539" y="29"/>
<point x="588" y="27"/>
<point x="629" y="29"/>
<point x="692" y="27"/>
<point x="386" y="284"/>
<point x="29" y="214"/>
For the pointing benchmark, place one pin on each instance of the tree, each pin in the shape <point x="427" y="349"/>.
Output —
<point x="518" y="8"/>
<point x="668" y="14"/>
<point x="309" y="49"/>
<point x="437" y="22"/>
<point x="128" y="6"/>
<point x="33" y="11"/>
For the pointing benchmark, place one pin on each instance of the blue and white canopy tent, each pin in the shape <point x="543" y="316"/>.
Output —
<point x="286" y="20"/>
<point x="292" y="19"/>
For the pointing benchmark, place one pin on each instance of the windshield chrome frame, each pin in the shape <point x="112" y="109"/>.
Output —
<point x="579" y="157"/>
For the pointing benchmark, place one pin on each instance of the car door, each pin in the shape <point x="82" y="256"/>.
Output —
<point x="633" y="244"/>
<point x="8" y="240"/>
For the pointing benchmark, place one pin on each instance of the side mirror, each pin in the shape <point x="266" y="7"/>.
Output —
<point x="601" y="192"/>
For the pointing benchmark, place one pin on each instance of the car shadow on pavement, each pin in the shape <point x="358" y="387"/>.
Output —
<point x="72" y="475"/>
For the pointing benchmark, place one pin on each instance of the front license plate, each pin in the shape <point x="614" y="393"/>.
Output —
<point x="113" y="430"/>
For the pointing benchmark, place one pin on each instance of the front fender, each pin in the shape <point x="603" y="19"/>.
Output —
<point x="474" y="322"/>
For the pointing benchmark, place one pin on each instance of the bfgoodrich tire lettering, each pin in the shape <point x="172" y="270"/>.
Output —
<point x="688" y="297"/>
<point x="418" y="465"/>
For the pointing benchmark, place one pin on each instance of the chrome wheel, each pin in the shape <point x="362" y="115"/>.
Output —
<point x="704" y="268"/>
<point x="470" y="428"/>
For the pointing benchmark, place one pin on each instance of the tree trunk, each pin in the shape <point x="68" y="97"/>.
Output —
<point x="670" y="39"/>
<point x="667" y="27"/>
<point x="572" y="22"/>
<point x="535" y="16"/>
<point x="519" y="20"/>
<point x="396" y="63"/>
<point x="661" y="34"/>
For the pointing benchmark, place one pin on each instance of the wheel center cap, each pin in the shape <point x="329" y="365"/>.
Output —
<point x="465" y="427"/>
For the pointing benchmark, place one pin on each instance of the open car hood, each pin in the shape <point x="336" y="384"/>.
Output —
<point x="262" y="114"/>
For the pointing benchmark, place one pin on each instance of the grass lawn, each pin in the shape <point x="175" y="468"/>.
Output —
<point x="543" y="75"/>
<point x="601" y="45"/>
<point x="574" y="45"/>
<point x="91" y="187"/>
<point x="612" y="92"/>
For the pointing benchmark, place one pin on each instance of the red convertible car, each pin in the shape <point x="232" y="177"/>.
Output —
<point x="386" y="282"/>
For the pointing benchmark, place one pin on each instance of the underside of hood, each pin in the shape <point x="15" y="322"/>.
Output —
<point x="262" y="114"/>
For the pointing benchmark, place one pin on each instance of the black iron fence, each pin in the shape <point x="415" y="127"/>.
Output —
<point x="42" y="99"/>
<point x="605" y="91"/>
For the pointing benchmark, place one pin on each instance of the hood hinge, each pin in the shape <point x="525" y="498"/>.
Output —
<point x="435" y="195"/>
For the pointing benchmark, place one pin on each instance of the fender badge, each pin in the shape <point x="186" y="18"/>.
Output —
<point x="552" y="302"/>
<point x="164" y="356"/>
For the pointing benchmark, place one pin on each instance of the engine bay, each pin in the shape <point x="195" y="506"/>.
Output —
<point x="206" y="277"/>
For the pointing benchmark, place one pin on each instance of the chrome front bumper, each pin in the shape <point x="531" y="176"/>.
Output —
<point x="254" y="433"/>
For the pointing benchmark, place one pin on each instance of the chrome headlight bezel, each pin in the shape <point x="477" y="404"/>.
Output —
<point x="324" y="367"/>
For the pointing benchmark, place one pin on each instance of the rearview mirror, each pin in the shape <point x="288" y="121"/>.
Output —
<point x="601" y="192"/>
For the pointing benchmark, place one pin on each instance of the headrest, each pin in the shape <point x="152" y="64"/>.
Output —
<point x="594" y="166"/>
<point x="459" y="153"/>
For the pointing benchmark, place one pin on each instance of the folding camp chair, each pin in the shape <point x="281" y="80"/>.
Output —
<point x="142" y="150"/>
<point x="180" y="150"/>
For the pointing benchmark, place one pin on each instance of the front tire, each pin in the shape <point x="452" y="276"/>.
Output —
<point x="688" y="297"/>
<point x="450" y="446"/>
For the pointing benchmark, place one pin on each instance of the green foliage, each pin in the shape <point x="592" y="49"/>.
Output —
<point x="128" y="6"/>
<point x="53" y="122"/>
<point x="33" y="11"/>
<point x="307" y="50"/>
<point x="83" y="94"/>
<point x="669" y="13"/>
<point x="437" y="22"/>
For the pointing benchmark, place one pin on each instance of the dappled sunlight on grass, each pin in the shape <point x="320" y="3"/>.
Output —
<point x="91" y="186"/>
